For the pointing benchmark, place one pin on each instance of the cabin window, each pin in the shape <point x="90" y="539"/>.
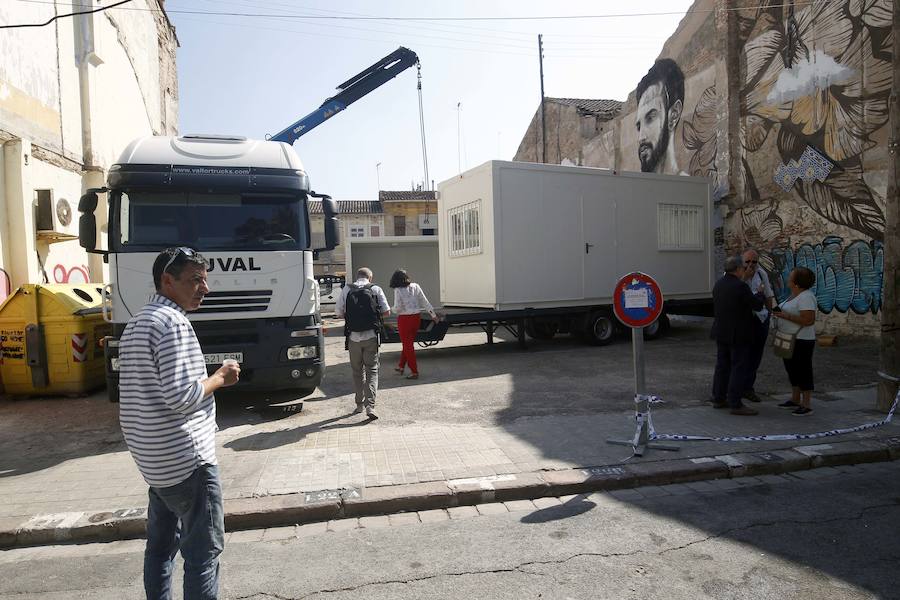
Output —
<point x="679" y="227"/>
<point x="465" y="229"/>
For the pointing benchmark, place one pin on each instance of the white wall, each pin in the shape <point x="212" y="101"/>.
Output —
<point x="73" y="94"/>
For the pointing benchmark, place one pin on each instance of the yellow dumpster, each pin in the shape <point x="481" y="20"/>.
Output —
<point x="49" y="340"/>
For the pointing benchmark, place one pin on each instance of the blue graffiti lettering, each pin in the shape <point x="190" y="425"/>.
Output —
<point x="846" y="278"/>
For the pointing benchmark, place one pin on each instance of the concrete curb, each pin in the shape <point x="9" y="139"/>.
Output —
<point x="307" y="507"/>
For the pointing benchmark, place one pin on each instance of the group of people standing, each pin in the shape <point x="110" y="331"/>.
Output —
<point x="363" y="306"/>
<point x="745" y="310"/>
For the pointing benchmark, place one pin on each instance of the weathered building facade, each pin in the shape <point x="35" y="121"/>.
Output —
<point x="569" y="125"/>
<point x="785" y="108"/>
<point x="73" y="94"/>
<point x="411" y="212"/>
<point x="359" y="219"/>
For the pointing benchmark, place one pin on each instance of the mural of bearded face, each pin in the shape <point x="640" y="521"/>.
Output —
<point x="653" y="128"/>
<point x="660" y="96"/>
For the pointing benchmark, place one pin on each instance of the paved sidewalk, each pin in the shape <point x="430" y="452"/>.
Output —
<point x="310" y="468"/>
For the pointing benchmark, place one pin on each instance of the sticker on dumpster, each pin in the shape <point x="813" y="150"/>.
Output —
<point x="79" y="347"/>
<point x="12" y="344"/>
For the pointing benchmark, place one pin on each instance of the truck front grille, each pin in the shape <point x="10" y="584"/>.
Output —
<point x="235" y="301"/>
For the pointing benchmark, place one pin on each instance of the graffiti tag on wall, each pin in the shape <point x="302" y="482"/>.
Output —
<point x="76" y="274"/>
<point x="847" y="278"/>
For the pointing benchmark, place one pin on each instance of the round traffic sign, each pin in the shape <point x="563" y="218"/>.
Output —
<point x="637" y="300"/>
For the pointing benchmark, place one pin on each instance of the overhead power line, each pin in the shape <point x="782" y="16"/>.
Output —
<point x="51" y="19"/>
<point x="433" y="19"/>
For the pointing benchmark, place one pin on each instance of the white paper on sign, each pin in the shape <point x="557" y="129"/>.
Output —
<point x="637" y="298"/>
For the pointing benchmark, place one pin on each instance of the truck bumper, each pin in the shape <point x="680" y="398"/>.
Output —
<point x="266" y="345"/>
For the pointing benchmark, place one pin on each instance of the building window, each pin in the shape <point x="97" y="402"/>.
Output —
<point x="375" y="230"/>
<point x="399" y="225"/>
<point x="357" y="231"/>
<point x="679" y="227"/>
<point x="44" y="212"/>
<point x="465" y="229"/>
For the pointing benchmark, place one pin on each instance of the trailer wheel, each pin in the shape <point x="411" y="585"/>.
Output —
<point x="541" y="329"/>
<point x="657" y="329"/>
<point x="599" y="329"/>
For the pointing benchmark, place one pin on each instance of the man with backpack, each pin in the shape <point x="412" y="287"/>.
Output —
<point x="363" y="307"/>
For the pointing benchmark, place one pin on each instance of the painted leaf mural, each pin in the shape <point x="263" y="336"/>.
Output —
<point x="816" y="78"/>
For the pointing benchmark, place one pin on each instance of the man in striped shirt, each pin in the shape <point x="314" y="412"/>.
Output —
<point x="168" y="416"/>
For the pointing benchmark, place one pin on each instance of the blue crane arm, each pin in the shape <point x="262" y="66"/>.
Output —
<point x="350" y="91"/>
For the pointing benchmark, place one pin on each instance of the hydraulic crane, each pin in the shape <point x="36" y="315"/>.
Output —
<point x="350" y="91"/>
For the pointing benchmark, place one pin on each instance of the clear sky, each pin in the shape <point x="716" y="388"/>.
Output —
<point x="255" y="75"/>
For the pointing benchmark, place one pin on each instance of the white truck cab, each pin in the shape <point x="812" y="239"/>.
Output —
<point x="243" y="205"/>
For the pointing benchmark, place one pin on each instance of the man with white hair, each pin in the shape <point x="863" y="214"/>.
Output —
<point x="757" y="279"/>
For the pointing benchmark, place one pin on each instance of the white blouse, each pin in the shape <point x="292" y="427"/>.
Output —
<point x="805" y="300"/>
<point x="411" y="300"/>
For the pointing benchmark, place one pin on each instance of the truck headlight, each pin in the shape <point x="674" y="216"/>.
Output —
<point x="298" y="352"/>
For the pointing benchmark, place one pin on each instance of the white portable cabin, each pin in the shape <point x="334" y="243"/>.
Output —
<point x="518" y="235"/>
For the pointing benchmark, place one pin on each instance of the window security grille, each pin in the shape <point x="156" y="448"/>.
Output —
<point x="680" y="227"/>
<point x="465" y="229"/>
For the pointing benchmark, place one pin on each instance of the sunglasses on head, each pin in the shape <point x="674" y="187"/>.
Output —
<point x="178" y="251"/>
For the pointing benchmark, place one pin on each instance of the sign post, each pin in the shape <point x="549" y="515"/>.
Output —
<point x="637" y="303"/>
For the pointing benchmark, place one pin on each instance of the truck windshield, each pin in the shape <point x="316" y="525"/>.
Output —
<point x="210" y="221"/>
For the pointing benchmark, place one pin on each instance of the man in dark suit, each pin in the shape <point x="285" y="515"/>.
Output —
<point x="733" y="330"/>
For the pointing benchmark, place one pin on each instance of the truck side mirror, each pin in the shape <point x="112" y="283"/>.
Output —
<point x="332" y="232"/>
<point x="87" y="231"/>
<point x="87" y="222"/>
<point x="330" y="211"/>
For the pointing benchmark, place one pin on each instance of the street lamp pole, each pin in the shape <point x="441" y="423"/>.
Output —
<point x="378" y="175"/>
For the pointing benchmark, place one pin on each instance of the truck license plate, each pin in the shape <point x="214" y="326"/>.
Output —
<point x="217" y="358"/>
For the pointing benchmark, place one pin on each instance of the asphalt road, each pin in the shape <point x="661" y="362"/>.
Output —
<point x="831" y="534"/>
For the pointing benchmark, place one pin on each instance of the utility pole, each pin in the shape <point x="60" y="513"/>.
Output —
<point x="890" y="307"/>
<point x="543" y="126"/>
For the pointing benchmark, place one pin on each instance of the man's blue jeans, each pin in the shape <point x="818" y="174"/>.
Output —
<point x="188" y="516"/>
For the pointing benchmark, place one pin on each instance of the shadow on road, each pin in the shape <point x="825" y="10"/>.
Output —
<point x="274" y="439"/>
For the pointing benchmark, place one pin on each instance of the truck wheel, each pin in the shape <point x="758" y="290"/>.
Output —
<point x="657" y="329"/>
<point x="540" y="329"/>
<point x="599" y="329"/>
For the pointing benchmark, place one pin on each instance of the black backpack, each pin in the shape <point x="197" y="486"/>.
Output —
<point x="361" y="311"/>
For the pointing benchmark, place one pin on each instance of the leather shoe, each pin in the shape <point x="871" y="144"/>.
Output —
<point x="744" y="411"/>
<point x="751" y="396"/>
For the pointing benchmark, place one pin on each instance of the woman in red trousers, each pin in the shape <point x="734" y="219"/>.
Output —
<point x="409" y="301"/>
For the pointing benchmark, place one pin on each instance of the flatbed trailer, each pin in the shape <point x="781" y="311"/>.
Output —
<point x="593" y="324"/>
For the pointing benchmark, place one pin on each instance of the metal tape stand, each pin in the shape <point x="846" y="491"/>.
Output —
<point x="641" y="440"/>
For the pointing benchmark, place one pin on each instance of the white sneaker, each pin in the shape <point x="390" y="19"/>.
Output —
<point x="371" y="414"/>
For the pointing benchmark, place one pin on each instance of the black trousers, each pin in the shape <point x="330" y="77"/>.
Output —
<point x="732" y="368"/>
<point x="799" y="366"/>
<point x="757" y="348"/>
